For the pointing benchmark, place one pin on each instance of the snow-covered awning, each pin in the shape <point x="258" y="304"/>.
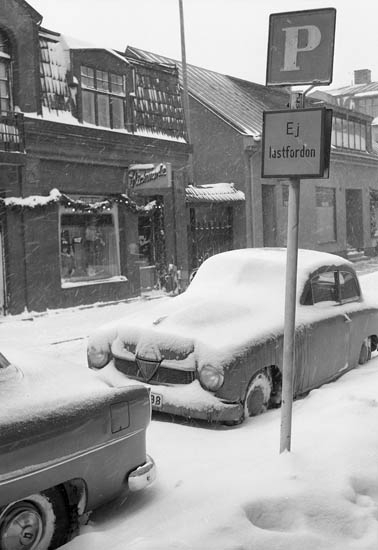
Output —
<point x="214" y="192"/>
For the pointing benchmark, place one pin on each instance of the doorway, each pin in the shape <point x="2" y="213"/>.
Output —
<point x="2" y="275"/>
<point x="354" y="221"/>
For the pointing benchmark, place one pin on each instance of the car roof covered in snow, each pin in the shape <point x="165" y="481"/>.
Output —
<point x="260" y="266"/>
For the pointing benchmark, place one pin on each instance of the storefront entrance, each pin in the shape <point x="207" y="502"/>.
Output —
<point x="152" y="253"/>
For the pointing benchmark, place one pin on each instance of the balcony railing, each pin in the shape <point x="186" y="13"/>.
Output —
<point x="12" y="132"/>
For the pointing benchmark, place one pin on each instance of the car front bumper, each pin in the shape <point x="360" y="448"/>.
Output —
<point x="223" y="412"/>
<point x="185" y="400"/>
<point x="142" y="476"/>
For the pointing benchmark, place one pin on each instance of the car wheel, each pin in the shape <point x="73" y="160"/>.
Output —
<point x="365" y="353"/>
<point x="258" y="394"/>
<point x="38" y="522"/>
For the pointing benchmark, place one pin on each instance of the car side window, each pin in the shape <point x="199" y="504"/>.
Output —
<point x="4" y="363"/>
<point x="324" y="288"/>
<point x="349" y="288"/>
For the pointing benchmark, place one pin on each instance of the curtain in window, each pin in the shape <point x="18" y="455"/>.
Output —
<point x="325" y="214"/>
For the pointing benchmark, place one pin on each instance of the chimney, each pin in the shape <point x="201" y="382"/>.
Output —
<point x="362" y="76"/>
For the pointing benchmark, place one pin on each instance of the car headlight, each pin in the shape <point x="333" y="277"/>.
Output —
<point x="211" y="378"/>
<point x="98" y="357"/>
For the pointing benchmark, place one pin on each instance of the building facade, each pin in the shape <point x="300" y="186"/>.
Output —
<point x="226" y="116"/>
<point x="93" y="156"/>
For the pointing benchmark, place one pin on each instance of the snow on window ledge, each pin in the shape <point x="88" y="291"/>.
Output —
<point x="71" y="284"/>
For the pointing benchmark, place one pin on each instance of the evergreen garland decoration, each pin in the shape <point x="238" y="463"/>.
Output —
<point x="79" y="205"/>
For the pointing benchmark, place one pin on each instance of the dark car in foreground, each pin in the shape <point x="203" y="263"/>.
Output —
<point x="215" y="352"/>
<point x="68" y="444"/>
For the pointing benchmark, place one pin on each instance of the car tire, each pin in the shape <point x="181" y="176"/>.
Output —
<point x="365" y="352"/>
<point x="38" y="522"/>
<point x="258" y="394"/>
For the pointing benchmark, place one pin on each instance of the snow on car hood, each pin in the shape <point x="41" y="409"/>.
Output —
<point x="211" y="327"/>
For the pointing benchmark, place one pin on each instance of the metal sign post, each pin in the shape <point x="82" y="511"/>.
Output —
<point x="296" y="144"/>
<point x="290" y="303"/>
<point x="288" y="367"/>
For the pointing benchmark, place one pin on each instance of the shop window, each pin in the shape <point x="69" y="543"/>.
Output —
<point x="103" y="98"/>
<point x="88" y="245"/>
<point x="325" y="214"/>
<point x="5" y="74"/>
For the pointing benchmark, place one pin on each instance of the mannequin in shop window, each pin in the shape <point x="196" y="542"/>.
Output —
<point x="94" y="246"/>
<point x="67" y="254"/>
<point x="144" y="248"/>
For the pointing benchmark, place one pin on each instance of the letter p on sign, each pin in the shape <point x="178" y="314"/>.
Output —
<point x="300" y="47"/>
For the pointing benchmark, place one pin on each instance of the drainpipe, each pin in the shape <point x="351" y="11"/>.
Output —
<point x="251" y="147"/>
<point x="185" y="90"/>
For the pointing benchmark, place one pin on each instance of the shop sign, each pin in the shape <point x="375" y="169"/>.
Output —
<point x="149" y="177"/>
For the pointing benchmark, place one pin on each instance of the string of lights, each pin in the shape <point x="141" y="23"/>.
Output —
<point x="78" y="205"/>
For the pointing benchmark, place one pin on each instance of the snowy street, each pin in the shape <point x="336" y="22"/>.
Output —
<point x="188" y="275"/>
<point x="228" y="488"/>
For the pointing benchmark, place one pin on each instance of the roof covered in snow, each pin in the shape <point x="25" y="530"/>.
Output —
<point x="237" y="101"/>
<point x="357" y="90"/>
<point x="155" y="107"/>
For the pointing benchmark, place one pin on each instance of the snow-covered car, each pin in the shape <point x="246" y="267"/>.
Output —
<point x="67" y="445"/>
<point x="215" y="352"/>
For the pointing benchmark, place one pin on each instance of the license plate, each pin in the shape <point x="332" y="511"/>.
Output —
<point x="156" y="400"/>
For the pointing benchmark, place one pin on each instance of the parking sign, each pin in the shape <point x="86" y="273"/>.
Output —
<point x="300" y="47"/>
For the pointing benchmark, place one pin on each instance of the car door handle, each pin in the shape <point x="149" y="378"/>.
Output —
<point x="347" y="319"/>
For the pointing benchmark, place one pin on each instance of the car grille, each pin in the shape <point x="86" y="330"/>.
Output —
<point x="162" y="375"/>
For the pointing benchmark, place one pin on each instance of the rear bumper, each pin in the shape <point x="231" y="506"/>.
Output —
<point x="142" y="476"/>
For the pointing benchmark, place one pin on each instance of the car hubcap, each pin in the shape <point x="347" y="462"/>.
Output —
<point x="22" y="529"/>
<point x="256" y="402"/>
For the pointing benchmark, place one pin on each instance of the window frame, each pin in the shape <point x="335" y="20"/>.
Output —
<point x="307" y="297"/>
<point x="6" y="58"/>
<point x="349" y="133"/>
<point x="85" y="280"/>
<point x="109" y="93"/>
<point x="323" y="190"/>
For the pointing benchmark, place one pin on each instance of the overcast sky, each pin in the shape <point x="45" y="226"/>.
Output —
<point x="228" y="36"/>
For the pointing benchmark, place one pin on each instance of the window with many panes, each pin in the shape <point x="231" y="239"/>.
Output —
<point x="349" y="134"/>
<point x="89" y="248"/>
<point x="368" y="105"/>
<point x="325" y="214"/>
<point x="103" y="97"/>
<point x="5" y="74"/>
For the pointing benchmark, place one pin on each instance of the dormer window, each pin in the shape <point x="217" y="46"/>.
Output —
<point x="103" y="97"/>
<point x="5" y="74"/>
